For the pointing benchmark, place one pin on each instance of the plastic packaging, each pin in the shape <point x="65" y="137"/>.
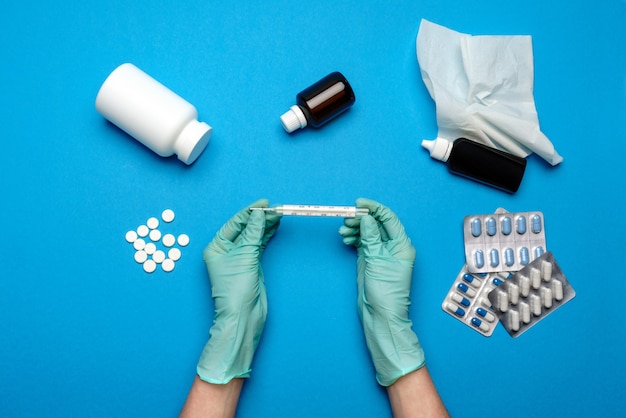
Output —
<point x="152" y="114"/>
<point x="467" y="300"/>
<point x="503" y="241"/>
<point x="479" y="162"/>
<point x="319" y="103"/>
<point x="531" y="294"/>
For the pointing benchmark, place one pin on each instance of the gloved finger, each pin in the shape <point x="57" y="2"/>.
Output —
<point x="352" y="222"/>
<point x="371" y="240"/>
<point x="346" y="231"/>
<point x="253" y="232"/>
<point x="351" y="240"/>
<point x="235" y="225"/>
<point x="272" y="222"/>
<point x="390" y="222"/>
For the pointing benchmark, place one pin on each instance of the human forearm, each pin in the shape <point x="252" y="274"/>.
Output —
<point x="212" y="401"/>
<point x="415" y="395"/>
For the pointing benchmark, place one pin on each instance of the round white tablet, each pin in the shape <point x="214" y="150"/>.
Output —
<point x="143" y="230"/>
<point x="131" y="236"/>
<point x="141" y="256"/>
<point x="150" y="248"/>
<point x="183" y="240"/>
<point x="139" y="244"/>
<point x="167" y="265"/>
<point x="158" y="256"/>
<point x="149" y="266"/>
<point x="155" y="235"/>
<point x="174" y="254"/>
<point x="153" y="223"/>
<point x="169" y="240"/>
<point x="168" y="215"/>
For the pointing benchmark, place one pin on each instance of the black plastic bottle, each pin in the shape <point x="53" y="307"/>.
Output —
<point x="479" y="162"/>
<point x="319" y="103"/>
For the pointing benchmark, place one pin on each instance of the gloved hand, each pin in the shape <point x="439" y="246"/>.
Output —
<point x="233" y="261"/>
<point x="385" y="258"/>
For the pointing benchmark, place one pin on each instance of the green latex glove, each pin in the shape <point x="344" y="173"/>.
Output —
<point x="385" y="258"/>
<point x="233" y="260"/>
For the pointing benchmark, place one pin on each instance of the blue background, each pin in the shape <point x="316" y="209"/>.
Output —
<point x="85" y="332"/>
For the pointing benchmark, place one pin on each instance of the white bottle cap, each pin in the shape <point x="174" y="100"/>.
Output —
<point x="439" y="148"/>
<point x="293" y="119"/>
<point x="192" y="141"/>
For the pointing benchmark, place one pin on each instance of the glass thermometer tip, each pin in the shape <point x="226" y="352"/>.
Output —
<point x="317" y="210"/>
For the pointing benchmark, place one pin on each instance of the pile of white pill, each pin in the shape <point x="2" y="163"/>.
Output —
<point x="153" y="248"/>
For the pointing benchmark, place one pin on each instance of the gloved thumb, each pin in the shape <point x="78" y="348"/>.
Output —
<point x="371" y="241"/>
<point x="254" y="230"/>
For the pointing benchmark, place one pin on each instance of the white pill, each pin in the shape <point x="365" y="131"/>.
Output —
<point x="557" y="288"/>
<point x="131" y="236"/>
<point x="139" y="244"/>
<point x="167" y="265"/>
<point x="158" y="256"/>
<point x="169" y="240"/>
<point x="168" y="215"/>
<point x="153" y="223"/>
<point x="183" y="240"/>
<point x="546" y="297"/>
<point x="535" y="278"/>
<point x="141" y="256"/>
<point x="149" y="266"/>
<point x="513" y="291"/>
<point x="535" y="305"/>
<point x="150" y="248"/>
<point x="155" y="235"/>
<point x="174" y="254"/>
<point x="525" y="312"/>
<point x="524" y="283"/>
<point x="514" y="321"/>
<point x="503" y="301"/>
<point x="143" y="230"/>
<point x="546" y="270"/>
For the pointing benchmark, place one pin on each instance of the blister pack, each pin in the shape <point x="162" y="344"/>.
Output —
<point x="531" y="294"/>
<point x="467" y="300"/>
<point x="503" y="241"/>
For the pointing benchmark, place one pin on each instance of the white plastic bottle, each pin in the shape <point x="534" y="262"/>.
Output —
<point x="152" y="114"/>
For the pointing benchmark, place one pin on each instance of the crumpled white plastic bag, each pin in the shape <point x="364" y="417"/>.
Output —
<point x="483" y="89"/>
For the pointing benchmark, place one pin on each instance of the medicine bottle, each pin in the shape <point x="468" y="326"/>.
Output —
<point x="319" y="103"/>
<point x="153" y="114"/>
<point x="479" y="162"/>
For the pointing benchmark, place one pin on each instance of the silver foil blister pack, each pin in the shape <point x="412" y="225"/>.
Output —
<point x="531" y="294"/>
<point x="503" y="241"/>
<point x="467" y="300"/>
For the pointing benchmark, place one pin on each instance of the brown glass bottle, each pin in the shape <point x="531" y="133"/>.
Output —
<point x="319" y="103"/>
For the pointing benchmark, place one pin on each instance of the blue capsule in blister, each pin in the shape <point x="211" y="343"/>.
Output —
<point x="476" y="227"/>
<point x="471" y="280"/>
<point x="494" y="258"/>
<point x="455" y="309"/>
<point x="462" y="287"/>
<point x="491" y="227"/>
<point x="479" y="259"/>
<point x="480" y="324"/>
<point x="506" y="226"/>
<point x="509" y="257"/>
<point x="497" y="282"/>
<point x="524" y="257"/>
<point x="521" y="225"/>
<point x="539" y="252"/>
<point x="535" y="224"/>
